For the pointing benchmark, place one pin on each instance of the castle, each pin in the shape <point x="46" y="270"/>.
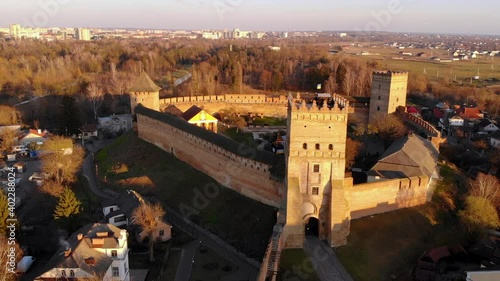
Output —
<point x="316" y="197"/>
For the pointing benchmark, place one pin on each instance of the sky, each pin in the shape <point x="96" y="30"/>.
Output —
<point x="427" y="16"/>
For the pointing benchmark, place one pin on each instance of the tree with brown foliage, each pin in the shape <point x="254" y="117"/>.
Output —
<point x="8" y="258"/>
<point x="9" y="115"/>
<point x="479" y="213"/>
<point x="353" y="147"/>
<point x="388" y="128"/>
<point x="7" y="139"/>
<point x="58" y="162"/>
<point x="147" y="216"/>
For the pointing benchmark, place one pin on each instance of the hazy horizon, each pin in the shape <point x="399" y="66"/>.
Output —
<point x="412" y="16"/>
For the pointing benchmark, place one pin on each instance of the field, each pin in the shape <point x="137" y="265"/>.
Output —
<point x="131" y="163"/>
<point x="435" y="71"/>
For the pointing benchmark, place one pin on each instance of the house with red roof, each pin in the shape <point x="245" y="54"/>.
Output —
<point x="36" y="136"/>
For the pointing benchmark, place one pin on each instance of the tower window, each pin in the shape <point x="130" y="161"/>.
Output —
<point x="304" y="146"/>
<point x="316" y="168"/>
<point x="114" y="253"/>
<point x="315" y="190"/>
<point x="378" y="97"/>
<point x="379" y="87"/>
<point x="317" y="146"/>
<point x="378" y="108"/>
<point x="71" y="273"/>
<point x="397" y="99"/>
<point x="330" y="147"/>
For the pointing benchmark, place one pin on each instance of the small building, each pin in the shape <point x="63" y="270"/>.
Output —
<point x="495" y="139"/>
<point x="410" y="156"/>
<point x="200" y="118"/>
<point x="115" y="123"/>
<point x="119" y="213"/>
<point x="488" y="126"/>
<point x="20" y="167"/>
<point x="89" y="131"/>
<point x="33" y="136"/>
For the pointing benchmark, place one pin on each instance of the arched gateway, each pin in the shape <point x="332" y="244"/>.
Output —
<point x="316" y="188"/>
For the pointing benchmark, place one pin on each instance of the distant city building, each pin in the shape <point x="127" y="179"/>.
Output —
<point x="82" y="34"/>
<point x="15" y="31"/>
<point x="343" y="35"/>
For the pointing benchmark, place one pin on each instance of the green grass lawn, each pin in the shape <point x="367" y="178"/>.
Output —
<point x="269" y="121"/>
<point x="131" y="163"/>
<point x="294" y="265"/>
<point x="239" y="136"/>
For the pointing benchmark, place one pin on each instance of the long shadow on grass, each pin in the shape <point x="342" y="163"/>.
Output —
<point x="131" y="163"/>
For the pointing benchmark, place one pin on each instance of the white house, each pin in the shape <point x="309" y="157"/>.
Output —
<point x="487" y="126"/>
<point x="36" y="136"/>
<point x="115" y="123"/>
<point x="95" y="250"/>
<point x="495" y="139"/>
<point x="456" y="121"/>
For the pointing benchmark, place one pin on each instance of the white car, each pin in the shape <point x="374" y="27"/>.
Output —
<point x="38" y="176"/>
<point x="18" y="148"/>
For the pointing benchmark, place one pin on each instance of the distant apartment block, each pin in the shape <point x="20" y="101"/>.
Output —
<point x="15" y="31"/>
<point x="82" y="34"/>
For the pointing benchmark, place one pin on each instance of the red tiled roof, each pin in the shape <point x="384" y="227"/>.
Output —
<point x="469" y="113"/>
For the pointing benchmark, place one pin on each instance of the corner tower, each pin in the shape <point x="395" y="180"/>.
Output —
<point x="145" y="92"/>
<point x="388" y="93"/>
<point x="317" y="194"/>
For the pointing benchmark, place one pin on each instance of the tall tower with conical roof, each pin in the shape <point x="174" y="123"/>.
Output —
<point x="145" y="92"/>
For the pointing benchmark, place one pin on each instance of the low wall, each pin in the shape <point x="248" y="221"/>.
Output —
<point x="244" y="175"/>
<point x="387" y="195"/>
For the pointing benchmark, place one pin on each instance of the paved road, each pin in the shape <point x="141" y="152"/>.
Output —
<point x="325" y="261"/>
<point x="186" y="261"/>
<point x="89" y="170"/>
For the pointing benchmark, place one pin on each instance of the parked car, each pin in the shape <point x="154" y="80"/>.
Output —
<point x="18" y="148"/>
<point x="24" y="264"/>
<point x="38" y="176"/>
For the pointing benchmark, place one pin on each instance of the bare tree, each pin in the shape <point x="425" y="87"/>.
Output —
<point x="147" y="216"/>
<point x="95" y="96"/>
<point x="60" y="161"/>
<point x="487" y="187"/>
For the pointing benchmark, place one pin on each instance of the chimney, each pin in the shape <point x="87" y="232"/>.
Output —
<point x="67" y="253"/>
<point x="80" y="236"/>
<point x="40" y="131"/>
